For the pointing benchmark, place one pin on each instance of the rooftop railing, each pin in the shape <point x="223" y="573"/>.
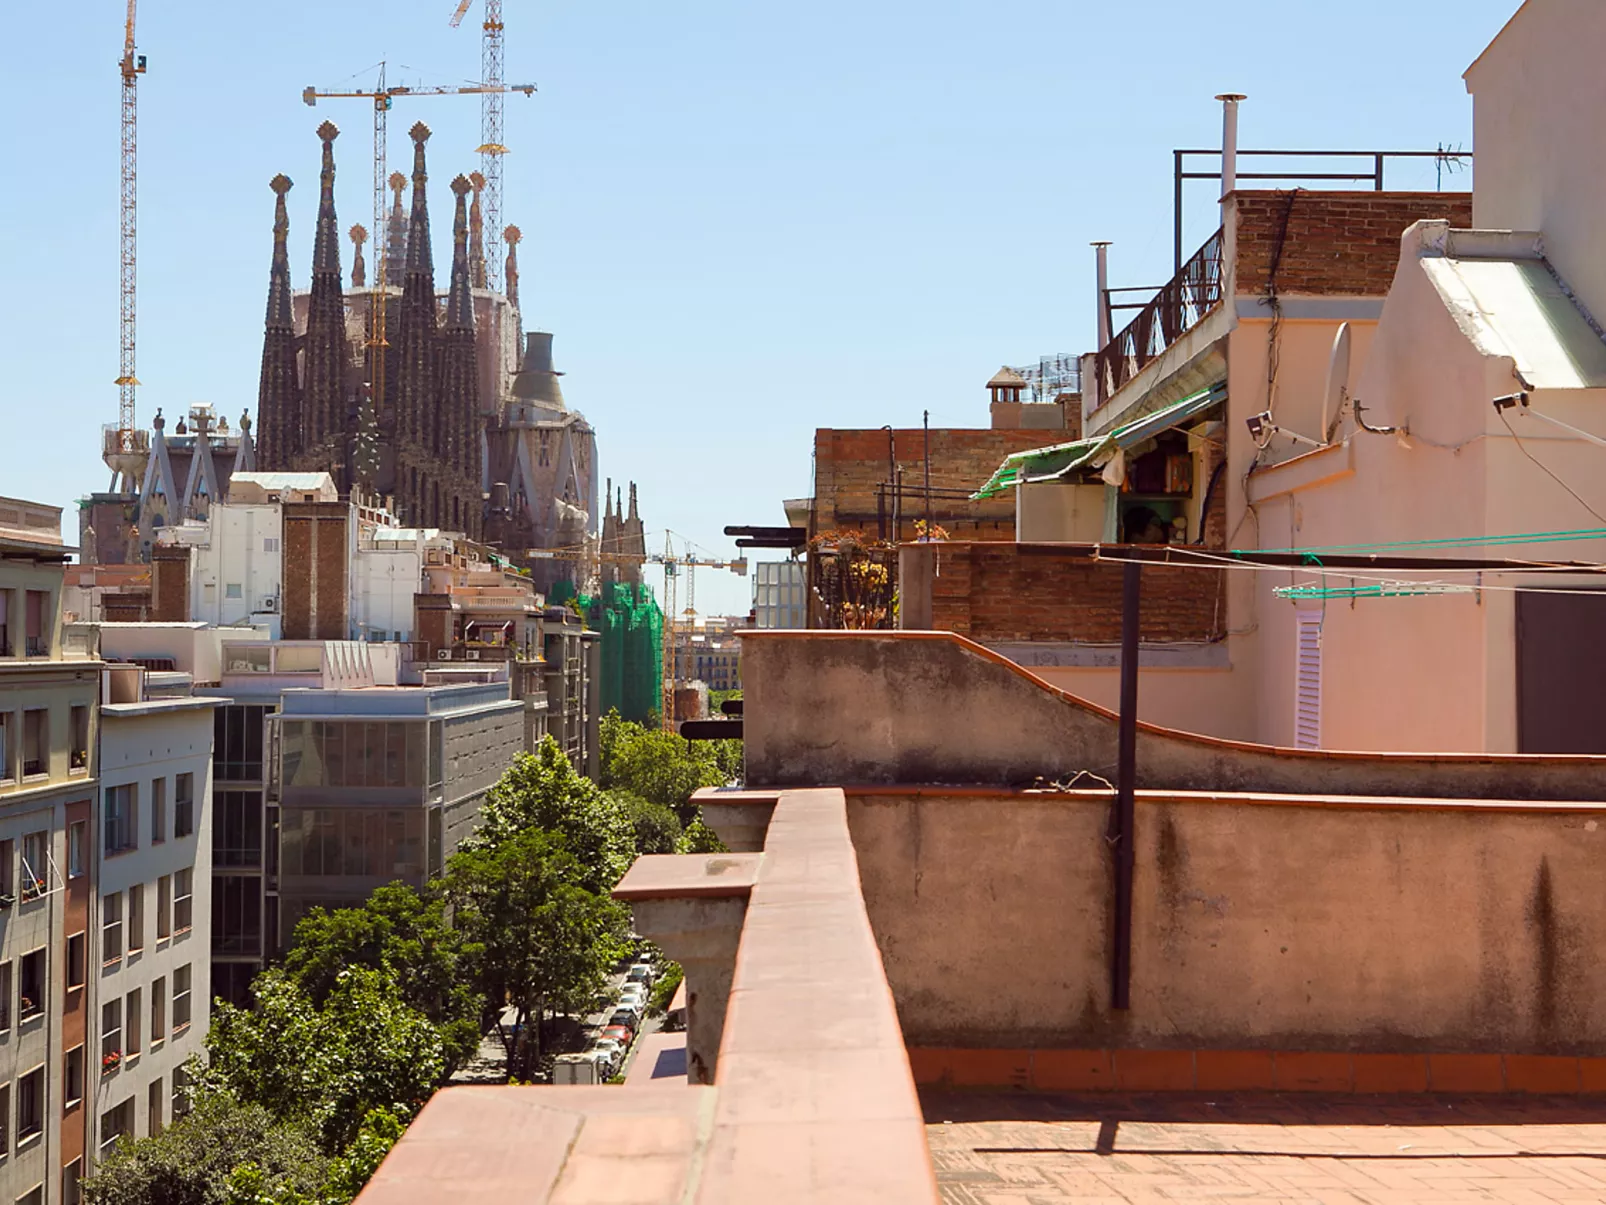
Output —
<point x="1175" y="308"/>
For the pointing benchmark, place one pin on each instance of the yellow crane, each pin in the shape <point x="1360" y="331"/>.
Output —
<point x="382" y="96"/>
<point x="131" y="67"/>
<point x="491" y="148"/>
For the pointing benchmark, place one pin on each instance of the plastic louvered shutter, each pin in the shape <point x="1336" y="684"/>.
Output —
<point x="1308" y="681"/>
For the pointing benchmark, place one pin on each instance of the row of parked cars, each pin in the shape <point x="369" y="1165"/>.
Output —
<point x="624" y="1022"/>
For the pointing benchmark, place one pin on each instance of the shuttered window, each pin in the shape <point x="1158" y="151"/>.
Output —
<point x="1308" y="680"/>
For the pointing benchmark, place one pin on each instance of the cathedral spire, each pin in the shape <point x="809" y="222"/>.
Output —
<point x="460" y="301"/>
<point x="419" y="257"/>
<point x="278" y="401"/>
<point x="326" y="242"/>
<point x="395" y="250"/>
<point x="634" y="517"/>
<point x="511" y="236"/>
<point x="359" y="269"/>
<point x="476" y="233"/>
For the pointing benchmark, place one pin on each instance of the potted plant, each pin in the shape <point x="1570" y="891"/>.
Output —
<point x="111" y="1061"/>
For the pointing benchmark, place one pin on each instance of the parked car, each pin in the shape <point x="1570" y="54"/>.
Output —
<point x="611" y="1046"/>
<point x="625" y="1015"/>
<point x="640" y="972"/>
<point x="605" y="1060"/>
<point x="633" y="993"/>
<point x="622" y="1033"/>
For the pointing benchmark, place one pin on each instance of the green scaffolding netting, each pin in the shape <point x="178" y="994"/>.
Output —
<point x="632" y="628"/>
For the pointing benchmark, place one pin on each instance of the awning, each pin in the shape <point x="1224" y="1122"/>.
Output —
<point x="1055" y="462"/>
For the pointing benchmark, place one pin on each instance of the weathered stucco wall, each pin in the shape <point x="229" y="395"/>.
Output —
<point x="1257" y="924"/>
<point x="931" y="707"/>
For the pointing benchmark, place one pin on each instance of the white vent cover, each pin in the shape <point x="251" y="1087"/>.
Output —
<point x="1308" y="680"/>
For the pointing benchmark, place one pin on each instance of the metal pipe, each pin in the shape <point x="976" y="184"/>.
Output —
<point x="1229" y="141"/>
<point x="1125" y="787"/>
<point x="892" y="475"/>
<point x="925" y="419"/>
<point x="1101" y="251"/>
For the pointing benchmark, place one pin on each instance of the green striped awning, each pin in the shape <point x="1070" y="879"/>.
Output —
<point x="1059" y="460"/>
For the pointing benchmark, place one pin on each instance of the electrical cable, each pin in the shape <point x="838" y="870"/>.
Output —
<point x="1542" y="468"/>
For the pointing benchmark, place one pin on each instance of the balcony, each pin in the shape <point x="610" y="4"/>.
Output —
<point x="1176" y="307"/>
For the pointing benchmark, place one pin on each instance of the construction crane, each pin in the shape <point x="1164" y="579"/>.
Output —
<point x="382" y="97"/>
<point x="131" y="66"/>
<point x="491" y="148"/>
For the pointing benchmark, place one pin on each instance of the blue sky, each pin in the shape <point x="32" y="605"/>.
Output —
<point x="742" y="221"/>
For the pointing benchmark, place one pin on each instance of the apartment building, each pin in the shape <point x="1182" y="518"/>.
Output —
<point x="148" y="948"/>
<point x="49" y="683"/>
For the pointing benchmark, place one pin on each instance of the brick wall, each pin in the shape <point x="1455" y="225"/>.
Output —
<point x="996" y="593"/>
<point x="849" y="464"/>
<point x="316" y="562"/>
<point x="1345" y="243"/>
<point x="170" y="583"/>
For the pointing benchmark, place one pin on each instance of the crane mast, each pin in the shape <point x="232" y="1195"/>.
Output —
<point x="491" y="148"/>
<point x="132" y="66"/>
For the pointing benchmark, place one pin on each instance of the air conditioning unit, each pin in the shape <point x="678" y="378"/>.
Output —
<point x="472" y="654"/>
<point x="269" y="605"/>
<point x="445" y="654"/>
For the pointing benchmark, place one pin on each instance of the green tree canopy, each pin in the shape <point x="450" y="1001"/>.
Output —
<point x="657" y="829"/>
<point x="545" y="941"/>
<point x="663" y="767"/>
<point x="194" y="1160"/>
<point x="543" y="791"/>
<point x="406" y="936"/>
<point x="325" y="1068"/>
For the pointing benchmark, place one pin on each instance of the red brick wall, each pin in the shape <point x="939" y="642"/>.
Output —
<point x="1344" y="243"/>
<point x="1019" y="592"/>
<point x="170" y="583"/>
<point x="315" y="567"/>
<point x="848" y="465"/>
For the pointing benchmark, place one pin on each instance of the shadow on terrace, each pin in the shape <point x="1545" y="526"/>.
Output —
<point x="921" y="891"/>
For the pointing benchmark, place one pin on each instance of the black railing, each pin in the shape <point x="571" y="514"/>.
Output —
<point x="1178" y="306"/>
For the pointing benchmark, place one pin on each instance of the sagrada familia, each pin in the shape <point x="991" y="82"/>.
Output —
<point x="438" y="404"/>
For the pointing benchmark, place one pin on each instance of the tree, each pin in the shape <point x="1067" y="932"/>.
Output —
<point x="543" y="791"/>
<point x="404" y="934"/>
<point x="209" y="1157"/>
<point x="656" y="828"/>
<point x="663" y="767"/>
<point x="324" y="1068"/>
<point x="545" y="941"/>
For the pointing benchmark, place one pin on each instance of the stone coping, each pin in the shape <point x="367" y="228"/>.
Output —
<point x="1241" y="798"/>
<point x="734" y="797"/>
<point x="813" y="1099"/>
<point x="688" y="876"/>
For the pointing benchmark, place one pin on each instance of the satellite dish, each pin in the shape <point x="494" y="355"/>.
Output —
<point x="1337" y="381"/>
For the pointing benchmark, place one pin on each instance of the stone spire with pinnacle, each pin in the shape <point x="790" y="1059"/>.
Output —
<point x="476" y="233"/>
<point x="419" y="454"/>
<point x="278" y="409"/>
<point x="395" y="249"/>
<point x="325" y="347"/>
<point x="511" y="236"/>
<point x="359" y="269"/>
<point x="459" y="393"/>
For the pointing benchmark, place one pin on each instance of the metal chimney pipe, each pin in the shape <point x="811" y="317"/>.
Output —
<point x="1229" y="141"/>
<point x="1101" y="302"/>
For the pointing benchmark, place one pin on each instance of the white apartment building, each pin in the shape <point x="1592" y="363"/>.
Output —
<point x="150" y="937"/>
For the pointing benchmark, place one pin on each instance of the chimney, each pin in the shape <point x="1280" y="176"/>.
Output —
<point x="1102" y="300"/>
<point x="1229" y="141"/>
<point x="170" y="583"/>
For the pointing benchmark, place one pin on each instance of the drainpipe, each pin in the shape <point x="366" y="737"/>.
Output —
<point x="1229" y="142"/>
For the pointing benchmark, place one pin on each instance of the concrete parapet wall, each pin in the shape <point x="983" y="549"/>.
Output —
<point x="1260" y="923"/>
<point x="931" y="707"/>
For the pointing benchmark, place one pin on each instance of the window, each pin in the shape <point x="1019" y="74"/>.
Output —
<point x="158" y="810"/>
<point x="34" y="1196"/>
<point x="136" y="917"/>
<point x="182" y="882"/>
<point x="155" y="1099"/>
<point x="181" y="1092"/>
<point x="35" y="864"/>
<point x="77" y="960"/>
<point x="71" y="1175"/>
<point x="237" y="828"/>
<point x="6" y="650"/>
<point x="164" y="907"/>
<point x="111" y="927"/>
<point x="35" y="742"/>
<point x="133" y="1016"/>
<point x="158" y="1011"/>
<point x="184" y="805"/>
<point x="77" y="835"/>
<point x="237" y="741"/>
<point x="122" y="818"/>
<point x="6" y="744"/>
<point x="270" y="544"/>
<point x="5" y="1118"/>
<point x="72" y="1076"/>
<point x="31" y="985"/>
<point x="114" y="1123"/>
<point x="79" y="754"/>
<point x="181" y="1001"/>
<point x="8" y="860"/>
<point x="38" y="639"/>
<point x="236" y="914"/>
<point x="385" y="843"/>
<point x="5" y="996"/>
<point x="111" y="1034"/>
<point x="31" y="1105"/>
<point x="232" y="590"/>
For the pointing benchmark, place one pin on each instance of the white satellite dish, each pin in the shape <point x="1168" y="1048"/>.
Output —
<point x="1336" y="390"/>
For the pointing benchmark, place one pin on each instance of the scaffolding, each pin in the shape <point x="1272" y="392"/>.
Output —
<point x="632" y="628"/>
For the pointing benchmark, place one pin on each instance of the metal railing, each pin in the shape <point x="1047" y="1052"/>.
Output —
<point x="1175" y="308"/>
